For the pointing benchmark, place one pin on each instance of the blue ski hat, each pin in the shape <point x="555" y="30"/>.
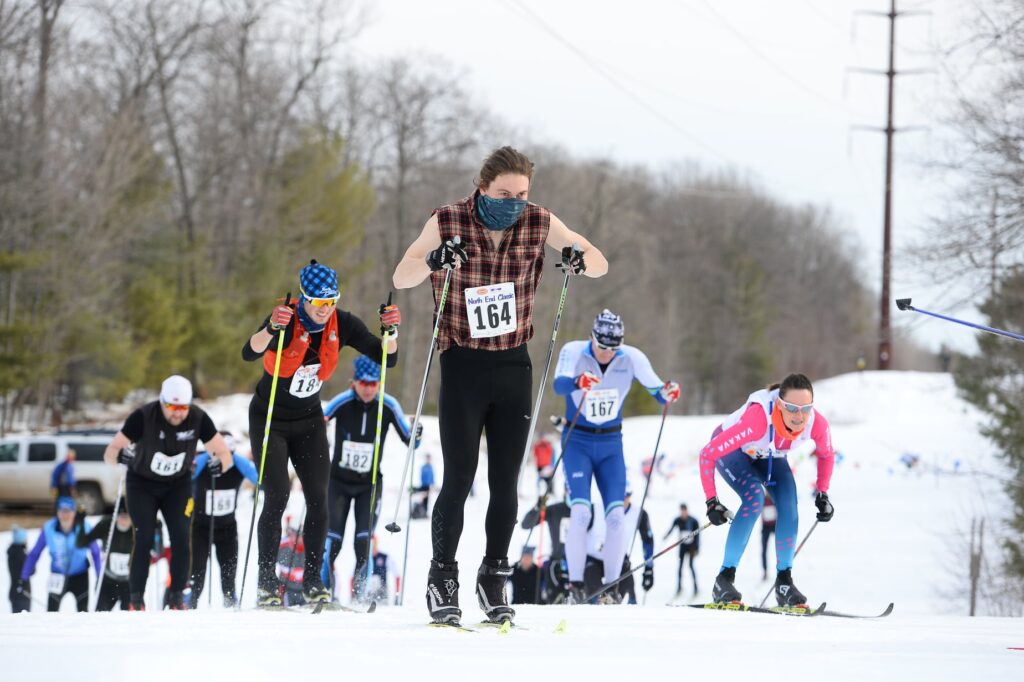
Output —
<point x="318" y="281"/>
<point x="608" y="329"/>
<point x="18" y="535"/>
<point x="365" y="369"/>
<point x="65" y="502"/>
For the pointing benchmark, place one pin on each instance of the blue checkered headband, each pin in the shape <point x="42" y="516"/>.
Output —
<point x="318" y="281"/>
<point x="608" y="329"/>
<point x="365" y="369"/>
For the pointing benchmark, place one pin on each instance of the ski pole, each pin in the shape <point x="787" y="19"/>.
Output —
<point x="904" y="304"/>
<point x="798" y="548"/>
<point x="209" y="571"/>
<point x="684" y="537"/>
<point x="263" y="456"/>
<point x="544" y="376"/>
<point x="543" y="500"/>
<point x="650" y="472"/>
<point x="110" y="534"/>
<point x="393" y="527"/>
<point x="376" y="450"/>
<point x="405" y="553"/>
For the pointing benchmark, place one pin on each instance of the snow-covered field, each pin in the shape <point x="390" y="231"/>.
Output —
<point x="897" y="536"/>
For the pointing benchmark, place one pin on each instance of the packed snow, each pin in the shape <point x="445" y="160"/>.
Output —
<point x="898" y="536"/>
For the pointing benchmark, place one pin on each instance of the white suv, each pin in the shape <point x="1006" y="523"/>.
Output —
<point x="26" y="463"/>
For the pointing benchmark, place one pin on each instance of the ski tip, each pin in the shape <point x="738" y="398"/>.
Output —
<point x="888" y="609"/>
<point x="393" y="527"/>
<point x="506" y="627"/>
<point x="560" y="628"/>
<point x="372" y="607"/>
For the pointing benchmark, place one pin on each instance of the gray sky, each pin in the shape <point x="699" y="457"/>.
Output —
<point x="759" y="86"/>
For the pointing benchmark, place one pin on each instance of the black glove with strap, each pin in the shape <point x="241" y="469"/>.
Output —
<point x="126" y="457"/>
<point x="648" y="581"/>
<point x="572" y="261"/>
<point x="825" y="508"/>
<point x="215" y="467"/>
<point x="718" y="513"/>
<point x="449" y="256"/>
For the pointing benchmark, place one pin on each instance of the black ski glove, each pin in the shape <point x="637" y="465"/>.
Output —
<point x="450" y="255"/>
<point x="648" y="582"/>
<point x="215" y="467"/>
<point x="419" y="432"/>
<point x="717" y="512"/>
<point x="572" y="261"/>
<point x="825" y="508"/>
<point x="126" y="457"/>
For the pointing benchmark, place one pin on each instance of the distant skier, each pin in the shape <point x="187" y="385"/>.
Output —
<point x="216" y="495"/>
<point x="166" y="433"/>
<point x="115" y="586"/>
<point x="595" y="377"/>
<point x="749" y="449"/>
<point x="355" y="415"/>
<point x="684" y="523"/>
<point x="555" y="581"/>
<point x="69" y="565"/>
<point x="20" y="592"/>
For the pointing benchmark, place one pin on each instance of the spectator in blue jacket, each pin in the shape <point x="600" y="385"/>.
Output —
<point x="69" y="564"/>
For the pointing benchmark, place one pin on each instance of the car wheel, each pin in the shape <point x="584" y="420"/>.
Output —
<point x="90" y="499"/>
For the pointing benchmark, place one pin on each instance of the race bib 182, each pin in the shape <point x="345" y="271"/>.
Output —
<point x="491" y="310"/>
<point x="356" y="457"/>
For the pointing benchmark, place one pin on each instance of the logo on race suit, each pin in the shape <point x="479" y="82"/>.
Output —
<point x="305" y="337"/>
<point x="735" y="439"/>
<point x="577" y="474"/>
<point x="333" y="336"/>
<point x="161" y="434"/>
<point x="185" y="435"/>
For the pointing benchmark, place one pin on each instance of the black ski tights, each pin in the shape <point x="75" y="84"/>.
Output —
<point x="304" y="442"/>
<point x="481" y="390"/>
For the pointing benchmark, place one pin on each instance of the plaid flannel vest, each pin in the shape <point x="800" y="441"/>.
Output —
<point x="518" y="259"/>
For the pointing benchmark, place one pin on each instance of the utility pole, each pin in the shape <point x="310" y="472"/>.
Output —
<point x="884" y="326"/>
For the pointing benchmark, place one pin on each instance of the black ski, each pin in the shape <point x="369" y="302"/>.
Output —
<point x="453" y="626"/>
<point x="776" y="610"/>
<point x="837" y="614"/>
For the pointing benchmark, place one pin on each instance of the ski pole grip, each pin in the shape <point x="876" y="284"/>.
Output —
<point x="904" y="304"/>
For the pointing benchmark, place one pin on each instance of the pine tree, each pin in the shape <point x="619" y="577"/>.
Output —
<point x="993" y="380"/>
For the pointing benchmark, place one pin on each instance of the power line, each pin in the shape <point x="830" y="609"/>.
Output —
<point x="619" y="85"/>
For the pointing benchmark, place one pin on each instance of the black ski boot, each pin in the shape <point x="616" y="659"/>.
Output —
<point x="577" y="593"/>
<point x="610" y="597"/>
<point x="490" y="590"/>
<point x="315" y="593"/>
<point x="174" y="600"/>
<point x="443" y="592"/>
<point x="136" y="602"/>
<point x="785" y="591"/>
<point x="724" y="591"/>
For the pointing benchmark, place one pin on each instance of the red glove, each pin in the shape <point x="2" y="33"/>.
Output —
<point x="670" y="392"/>
<point x="280" y="318"/>
<point x="587" y="381"/>
<point x="390" y="318"/>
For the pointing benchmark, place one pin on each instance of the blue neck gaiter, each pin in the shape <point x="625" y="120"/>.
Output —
<point x="498" y="214"/>
<point x="306" y="320"/>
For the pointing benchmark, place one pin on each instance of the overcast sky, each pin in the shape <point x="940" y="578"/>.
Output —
<point x="763" y="87"/>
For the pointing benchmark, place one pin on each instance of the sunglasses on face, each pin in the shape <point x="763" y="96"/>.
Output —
<point x="368" y="384"/>
<point x="176" y="408"/>
<point x="793" y="409"/>
<point x="321" y="302"/>
<point x="601" y="346"/>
